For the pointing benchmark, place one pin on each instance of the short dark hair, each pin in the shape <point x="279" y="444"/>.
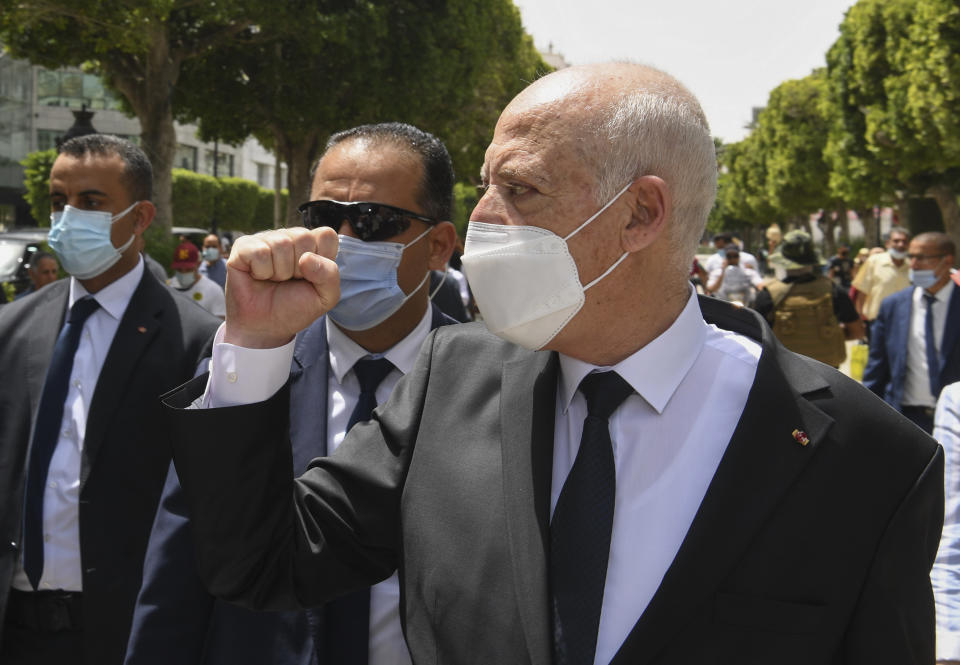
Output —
<point x="725" y="237"/>
<point x="436" y="189"/>
<point x="944" y="243"/>
<point x="39" y="256"/>
<point x="138" y="174"/>
<point x="897" y="229"/>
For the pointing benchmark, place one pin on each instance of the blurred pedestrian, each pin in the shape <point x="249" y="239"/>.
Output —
<point x="42" y="271"/>
<point x="214" y="265"/>
<point x="809" y="313"/>
<point x="189" y="282"/>
<point x="915" y="339"/>
<point x="882" y="275"/>
<point x="733" y="282"/>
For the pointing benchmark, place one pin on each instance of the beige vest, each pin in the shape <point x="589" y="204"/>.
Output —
<point x="804" y="321"/>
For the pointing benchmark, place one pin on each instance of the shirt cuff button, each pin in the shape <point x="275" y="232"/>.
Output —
<point x="232" y="377"/>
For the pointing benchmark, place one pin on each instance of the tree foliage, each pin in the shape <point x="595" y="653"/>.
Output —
<point x="36" y="180"/>
<point x="138" y="46"/>
<point x="447" y="66"/>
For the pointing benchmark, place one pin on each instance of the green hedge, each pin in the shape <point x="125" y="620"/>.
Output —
<point x="36" y="180"/>
<point x="194" y="198"/>
<point x="263" y="219"/>
<point x="465" y="198"/>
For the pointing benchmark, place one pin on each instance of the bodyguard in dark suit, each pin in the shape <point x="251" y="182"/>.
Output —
<point x="607" y="470"/>
<point x="177" y="620"/>
<point x="914" y="349"/>
<point x="95" y="457"/>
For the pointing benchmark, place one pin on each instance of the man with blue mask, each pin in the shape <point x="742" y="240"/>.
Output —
<point x="214" y="266"/>
<point x="607" y="469"/>
<point x="386" y="189"/>
<point x="915" y="339"/>
<point x="83" y="449"/>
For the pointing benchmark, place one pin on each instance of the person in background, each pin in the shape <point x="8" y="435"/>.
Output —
<point x="214" y="266"/>
<point x="189" y="282"/>
<point x="84" y="448"/>
<point x="840" y="267"/>
<point x="734" y="282"/>
<point x="883" y="274"/>
<point x="915" y="339"/>
<point x="42" y="271"/>
<point x="809" y="313"/>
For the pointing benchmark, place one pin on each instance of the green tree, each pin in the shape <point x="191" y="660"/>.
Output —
<point x="447" y="66"/>
<point x="139" y="47"/>
<point x="895" y="73"/>
<point x="36" y="180"/>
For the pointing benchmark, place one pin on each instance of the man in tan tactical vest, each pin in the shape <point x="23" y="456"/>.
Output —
<point x="808" y="312"/>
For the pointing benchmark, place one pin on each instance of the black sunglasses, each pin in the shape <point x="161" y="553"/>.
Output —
<point x="369" y="221"/>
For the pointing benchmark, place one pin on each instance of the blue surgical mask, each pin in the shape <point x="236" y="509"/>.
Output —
<point x="369" y="293"/>
<point x="81" y="240"/>
<point x="211" y="254"/>
<point x="923" y="278"/>
<point x="184" y="279"/>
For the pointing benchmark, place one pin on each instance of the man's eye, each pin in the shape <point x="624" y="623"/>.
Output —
<point x="517" y="190"/>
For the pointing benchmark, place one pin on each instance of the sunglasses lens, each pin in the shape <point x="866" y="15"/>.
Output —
<point x="369" y="221"/>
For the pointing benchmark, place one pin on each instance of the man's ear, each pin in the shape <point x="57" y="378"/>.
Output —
<point x="144" y="214"/>
<point x="650" y="205"/>
<point x="443" y="238"/>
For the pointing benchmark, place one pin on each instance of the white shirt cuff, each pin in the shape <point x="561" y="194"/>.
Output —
<point x="948" y="645"/>
<point x="239" y="375"/>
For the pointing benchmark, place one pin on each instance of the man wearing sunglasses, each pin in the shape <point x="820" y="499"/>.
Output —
<point x="385" y="189"/>
<point x="609" y="469"/>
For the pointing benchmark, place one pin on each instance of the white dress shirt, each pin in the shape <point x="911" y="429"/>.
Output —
<point x="945" y="575"/>
<point x="691" y="385"/>
<point x="61" y="517"/>
<point x="230" y="383"/>
<point x="916" y="386"/>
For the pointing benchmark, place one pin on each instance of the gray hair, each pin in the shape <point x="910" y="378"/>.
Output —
<point x="659" y="129"/>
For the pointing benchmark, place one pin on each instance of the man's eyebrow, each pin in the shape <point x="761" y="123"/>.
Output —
<point x="96" y="192"/>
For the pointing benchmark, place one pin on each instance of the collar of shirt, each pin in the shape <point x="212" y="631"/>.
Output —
<point x="114" y="297"/>
<point x="344" y="352"/>
<point x="943" y="295"/>
<point x="656" y="370"/>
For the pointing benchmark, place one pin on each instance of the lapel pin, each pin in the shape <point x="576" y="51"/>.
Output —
<point x="141" y="329"/>
<point x="801" y="437"/>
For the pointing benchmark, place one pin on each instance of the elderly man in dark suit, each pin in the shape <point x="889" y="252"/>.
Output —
<point x="395" y="167"/>
<point x="83" y="453"/>
<point x="607" y="469"/>
<point x="915" y="339"/>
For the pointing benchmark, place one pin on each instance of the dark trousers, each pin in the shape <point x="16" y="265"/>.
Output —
<point x="921" y="416"/>
<point x="41" y="629"/>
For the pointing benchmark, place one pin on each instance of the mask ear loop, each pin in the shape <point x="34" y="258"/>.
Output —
<point x="599" y="212"/>
<point x="437" y="290"/>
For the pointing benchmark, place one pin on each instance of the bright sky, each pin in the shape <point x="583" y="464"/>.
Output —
<point x="729" y="54"/>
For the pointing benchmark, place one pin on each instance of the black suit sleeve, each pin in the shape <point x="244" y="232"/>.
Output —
<point x="876" y="374"/>
<point x="340" y="531"/>
<point x="894" y="618"/>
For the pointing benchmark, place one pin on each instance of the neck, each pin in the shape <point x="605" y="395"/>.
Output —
<point x="126" y="263"/>
<point x="939" y="285"/>
<point x="610" y="333"/>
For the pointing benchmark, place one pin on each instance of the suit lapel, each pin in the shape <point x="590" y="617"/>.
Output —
<point x="527" y="412"/>
<point x="49" y="315"/>
<point x="309" y="372"/>
<point x="140" y="324"/>
<point x="762" y="460"/>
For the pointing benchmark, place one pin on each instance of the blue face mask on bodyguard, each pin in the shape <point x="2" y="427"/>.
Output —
<point x="923" y="278"/>
<point x="81" y="240"/>
<point x="369" y="293"/>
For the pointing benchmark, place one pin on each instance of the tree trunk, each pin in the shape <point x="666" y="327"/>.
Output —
<point x="277" y="189"/>
<point x="147" y="84"/>
<point x="946" y="199"/>
<point x="828" y="226"/>
<point x="300" y="154"/>
<point x="871" y="233"/>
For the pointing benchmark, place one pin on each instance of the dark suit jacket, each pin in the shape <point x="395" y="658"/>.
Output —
<point x="158" y="345"/>
<point x="886" y="370"/>
<point x="799" y="554"/>
<point x="176" y="619"/>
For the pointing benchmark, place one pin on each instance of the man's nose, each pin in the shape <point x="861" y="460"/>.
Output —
<point x="490" y="208"/>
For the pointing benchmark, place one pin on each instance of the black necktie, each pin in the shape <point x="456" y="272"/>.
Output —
<point x="46" y="433"/>
<point x="347" y="619"/>
<point x="933" y="361"/>
<point x="581" y="526"/>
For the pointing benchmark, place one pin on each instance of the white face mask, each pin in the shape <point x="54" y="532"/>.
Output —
<point x="185" y="279"/>
<point x="898" y="254"/>
<point x="524" y="279"/>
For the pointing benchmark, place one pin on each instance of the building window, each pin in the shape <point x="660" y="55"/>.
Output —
<point x="224" y="163"/>
<point x="186" y="157"/>
<point x="264" y="177"/>
<point x="47" y="138"/>
<point x="72" y="88"/>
